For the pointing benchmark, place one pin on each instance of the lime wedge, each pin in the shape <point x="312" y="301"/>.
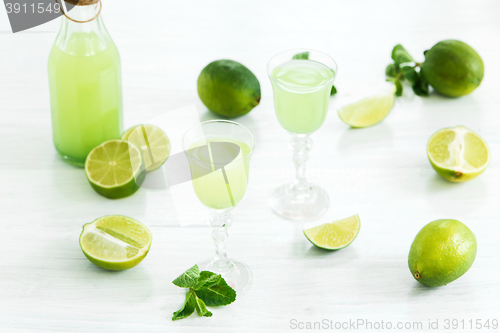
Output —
<point x="115" y="242"/>
<point x="458" y="154"/>
<point x="152" y="142"/>
<point x="368" y="111"/>
<point x="115" y="169"/>
<point x="335" y="235"/>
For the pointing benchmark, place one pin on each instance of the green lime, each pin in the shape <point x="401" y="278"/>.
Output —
<point x="453" y="68"/>
<point x="153" y="143"/>
<point x="115" y="169"/>
<point x="115" y="242"/>
<point x="335" y="235"/>
<point x="442" y="252"/>
<point x="368" y="111"/>
<point x="228" y="88"/>
<point x="458" y="154"/>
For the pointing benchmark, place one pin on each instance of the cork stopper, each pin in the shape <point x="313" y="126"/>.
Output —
<point x="82" y="2"/>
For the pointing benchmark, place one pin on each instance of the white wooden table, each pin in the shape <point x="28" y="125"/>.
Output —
<point x="382" y="173"/>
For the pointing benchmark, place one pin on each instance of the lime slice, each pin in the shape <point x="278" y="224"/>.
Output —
<point x="458" y="154"/>
<point x="115" y="242"/>
<point x="115" y="169"/>
<point x="335" y="235"/>
<point x="368" y="111"/>
<point x="152" y="142"/>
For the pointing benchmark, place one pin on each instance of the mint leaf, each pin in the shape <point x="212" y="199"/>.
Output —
<point x="399" y="88"/>
<point x="398" y="84"/>
<point x="217" y="295"/>
<point x="421" y="87"/>
<point x="201" y="308"/>
<point x="189" y="278"/>
<point x="204" y="288"/>
<point x="400" y="55"/>
<point x="207" y="279"/>
<point x="303" y="56"/>
<point x="187" y="308"/>
<point x="392" y="70"/>
<point x="410" y="74"/>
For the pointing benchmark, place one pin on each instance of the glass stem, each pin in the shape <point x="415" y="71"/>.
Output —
<point x="220" y="223"/>
<point x="301" y="145"/>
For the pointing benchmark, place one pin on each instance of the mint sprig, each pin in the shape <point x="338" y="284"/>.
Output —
<point x="405" y="69"/>
<point x="204" y="288"/>
<point x="305" y="56"/>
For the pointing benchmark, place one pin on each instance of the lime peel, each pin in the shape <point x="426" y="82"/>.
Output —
<point x="152" y="142"/>
<point x="458" y="154"/>
<point x="334" y="235"/>
<point x="112" y="253"/>
<point x="115" y="168"/>
<point x="368" y="111"/>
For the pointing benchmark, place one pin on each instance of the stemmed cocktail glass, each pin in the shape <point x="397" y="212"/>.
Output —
<point x="219" y="154"/>
<point x="302" y="81"/>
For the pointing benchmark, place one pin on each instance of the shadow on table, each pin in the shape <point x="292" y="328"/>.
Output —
<point x="59" y="270"/>
<point x="373" y="135"/>
<point x="245" y="120"/>
<point x="70" y="188"/>
<point x="419" y="289"/>
<point x="346" y="253"/>
<point x="444" y="196"/>
<point x="437" y="183"/>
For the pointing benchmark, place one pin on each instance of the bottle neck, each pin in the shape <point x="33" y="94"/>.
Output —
<point x="83" y="14"/>
<point x="83" y="39"/>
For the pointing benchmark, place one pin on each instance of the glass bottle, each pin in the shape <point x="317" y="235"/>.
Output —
<point x="85" y="84"/>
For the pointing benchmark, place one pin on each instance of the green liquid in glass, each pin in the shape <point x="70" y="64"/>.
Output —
<point x="212" y="189"/>
<point x="301" y="94"/>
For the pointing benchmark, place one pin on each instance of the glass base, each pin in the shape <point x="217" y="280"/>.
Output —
<point x="71" y="160"/>
<point x="299" y="204"/>
<point x="238" y="276"/>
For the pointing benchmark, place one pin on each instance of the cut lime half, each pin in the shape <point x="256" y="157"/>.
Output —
<point x="153" y="143"/>
<point x="115" y="242"/>
<point x="458" y="154"/>
<point x="368" y="111"/>
<point x="335" y="235"/>
<point x="115" y="169"/>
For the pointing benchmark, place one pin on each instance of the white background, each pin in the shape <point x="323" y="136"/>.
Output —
<point x="381" y="173"/>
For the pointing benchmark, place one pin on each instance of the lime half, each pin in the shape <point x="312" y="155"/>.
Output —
<point x="335" y="235"/>
<point x="115" y="242"/>
<point x="368" y="111"/>
<point x="152" y="142"/>
<point x="458" y="154"/>
<point x="115" y="169"/>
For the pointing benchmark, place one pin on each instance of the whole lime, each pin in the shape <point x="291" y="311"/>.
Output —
<point x="228" y="88"/>
<point x="453" y="68"/>
<point x="442" y="251"/>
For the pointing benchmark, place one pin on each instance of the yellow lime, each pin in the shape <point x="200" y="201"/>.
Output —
<point x="153" y="143"/>
<point x="115" y="242"/>
<point x="335" y="235"/>
<point x="115" y="169"/>
<point x="368" y="111"/>
<point x="458" y="154"/>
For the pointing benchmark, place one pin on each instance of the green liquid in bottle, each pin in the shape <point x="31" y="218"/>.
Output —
<point x="301" y="94"/>
<point x="85" y="94"/>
